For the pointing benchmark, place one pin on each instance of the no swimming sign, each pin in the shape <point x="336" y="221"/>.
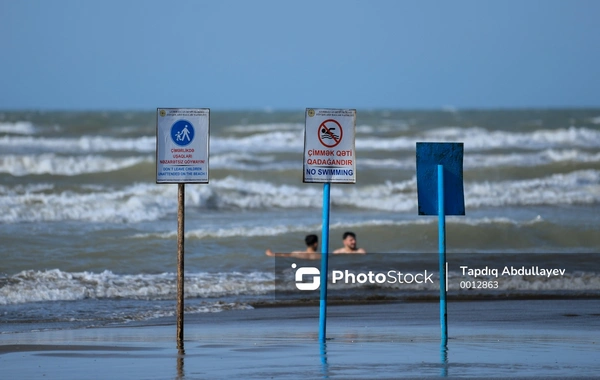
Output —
<point x="329" y="151"/>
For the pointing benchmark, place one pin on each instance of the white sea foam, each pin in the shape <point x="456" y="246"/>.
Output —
<point x="473" y="138"/>
<point x="399" y="125"/>
<point x="544" y="157"/>
<point x="254" y="231"/>
<point x="57" y="285"/>
<point x="293" y="141"/>
<point x="387" y="163"/>
<point x="146" y="201"/>
<point x="83" y="144"/>
<point x="251" y="162"/>
<point x="281" y="229"/>
<point x="479" y="138"/>
<point x="48" y="163"/>
<point x="581" y="187"/>
<point x="266" y="127"/>
<point x="483" y="139"/>
<point x="477" y="160"/>
<point x="18" y="128"/>
<point x="136" y="203"/>
<point x="276" y="141"/>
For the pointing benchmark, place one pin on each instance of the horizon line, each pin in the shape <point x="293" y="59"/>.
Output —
<point x="446" y="108"/>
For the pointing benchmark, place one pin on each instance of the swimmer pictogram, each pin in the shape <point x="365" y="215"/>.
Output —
<point x="330" y="133"/>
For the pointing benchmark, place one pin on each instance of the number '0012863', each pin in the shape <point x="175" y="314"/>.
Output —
<point x="479" y="284"/>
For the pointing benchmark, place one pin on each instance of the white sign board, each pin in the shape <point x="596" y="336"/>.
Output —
<point x="329" y="154"/>
<point x="182" y="145"/>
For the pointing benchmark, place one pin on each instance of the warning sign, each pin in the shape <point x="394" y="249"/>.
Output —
<point x="329" y="154"/>
<point x="182" y="145"/>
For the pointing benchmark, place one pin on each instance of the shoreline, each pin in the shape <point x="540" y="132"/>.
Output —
<point x="503" y="339"/>
<point x="385" y="299"/>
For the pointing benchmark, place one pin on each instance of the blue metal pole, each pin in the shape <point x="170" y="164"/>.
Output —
<point x="324" y="263"/>
<point x="444" y="359"/>
<point x="442" y="250"/>
<point x="323" y="352"/>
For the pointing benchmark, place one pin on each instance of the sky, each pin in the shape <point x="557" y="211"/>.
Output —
<point x="292" y="54"/>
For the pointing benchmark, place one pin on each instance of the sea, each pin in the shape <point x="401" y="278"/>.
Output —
<point x="88" y="238"/>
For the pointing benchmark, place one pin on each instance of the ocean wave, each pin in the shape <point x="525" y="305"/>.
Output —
<point x="577" y="283"/>
<point x="253" y="231"/>
<point x="480" y="138"/>
<point x="473" y="139"/>
<point x="579" y="187"/>
<point x="282" y="229"/>
<point x="57" y="285"/>
<point x="275" y="141"/>
<point x="265" y="127"/>
<point x="242" y="161"/>
<point x="490" y="160"/>
<point x="83" y="144"/>
<point x="544" y="157"/>
<point x="262" y="142"/>
<point x="299" y="127"/>
<point x="145" y="201"/>
<point x="286" y="140"/>
<point x="52" y="164"/>
<point x="21" y="165"/>
<point x="135" y="203"/>
<point x="483" y="139"/>
<point x="18" y="128"/>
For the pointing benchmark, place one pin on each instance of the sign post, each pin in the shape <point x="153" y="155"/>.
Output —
<point x="440" y="192"/>
<point x="182" y="136"/>
<point x="329" y="156"/>
<point x="442" y="252"/>
<point x="180" y="260"/>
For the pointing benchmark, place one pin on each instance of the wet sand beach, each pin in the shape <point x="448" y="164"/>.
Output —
<point x="498" y="339"/>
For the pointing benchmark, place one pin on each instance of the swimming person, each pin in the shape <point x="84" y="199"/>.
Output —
<point x="312" y="244"/>
<point x="349" y="248"/>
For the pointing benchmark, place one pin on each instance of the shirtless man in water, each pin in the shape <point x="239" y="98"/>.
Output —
<point x="312" y="244"/>
<point x="349" y="248"/>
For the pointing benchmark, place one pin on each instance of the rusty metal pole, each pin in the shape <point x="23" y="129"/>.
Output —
<point x="180" y="266"/>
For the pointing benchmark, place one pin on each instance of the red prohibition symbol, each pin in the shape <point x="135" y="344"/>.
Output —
<point x="330" y="133"/>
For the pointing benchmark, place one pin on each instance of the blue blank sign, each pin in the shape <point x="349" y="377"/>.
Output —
<point x="429" y="156"/>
